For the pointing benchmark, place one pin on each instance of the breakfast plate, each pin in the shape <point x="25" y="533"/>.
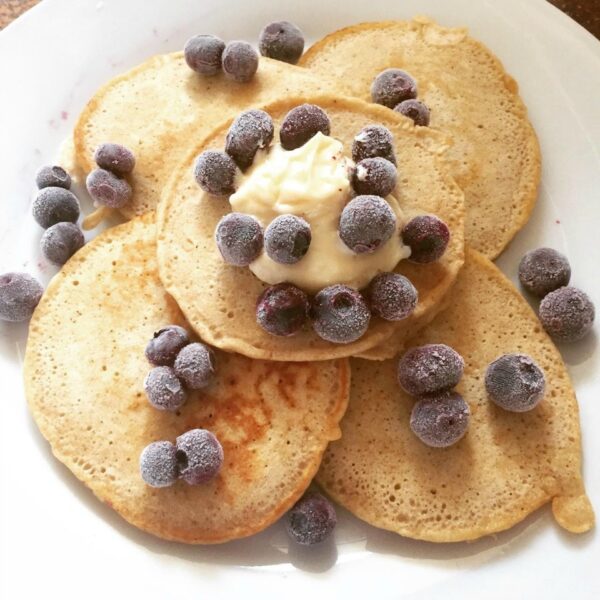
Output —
<point x="59" y="540"/>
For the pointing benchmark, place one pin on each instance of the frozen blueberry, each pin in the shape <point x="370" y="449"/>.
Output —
<point x="514" y="382"/>
<point x="195" y="365"/>
<point x="567" y="314"/>
<point x="203" y="54"/>
<point x="373" y="141"/>
<point x="52" y="176"/>
<point x="115" y="158"/>
<point x="287" y="239"/>
<point x="60" y="242"/>
<point x="253" y="129"/>
<point x="416" y="110"/>
<point x="440" y="420"/>
<point x="19" y="295"/>
<point x="281" y="40"/>
<point x="392" y="296"/>
<point x="164" y="390"/>
<point x="215" y="173"/>
<point x="367" y="222"/>
<point x="427" y="237"/>
<point x="429" y="369"/>
<point x="340" y="314"/>
<point x="163" y="348"/>
<point x="239" y="238"/>
<point x="311" y="520"/>
<point x="392" y="86"/>
<point x="376" y="176"/>
<point x="301" y="124"/>
<point x="107" y="189"/>
<point x="158" y="464"/>
<point x="239" y="61"/>
<point x="54" y="205"/>
<point x="544" y="270"/>
<point x="199" y="456"/>
<point x="282" y="309"/>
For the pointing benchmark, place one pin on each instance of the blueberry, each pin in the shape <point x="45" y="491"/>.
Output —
<point x="281" y="40"/>
<point x="440" y="420"/>
<point x="164" y="390"/>
<point x="54" y="205"/>
<point x="115" y="158"/>
<point x="376" y="176"/>
<point x="514" y="382"/>
<point x="340" y="314"/>
<point x="301" y="124"/>
<point x="163" y="348"/>
<point x="373" y="141"/>
<point x="567" y="314"/>
<point x="429" y="369"/>
<point x="215" y="173"/>
<point x="239" y="238"/>
<point x="287" y="239"/>
<point x="311" y="520"/>
<point x="416" y="110"/>
<point x="195" y="365"/>
<point x="158" y="464"/>
<point x="199" y="456"/>
<point x="107" y="189"/>
<point x="544" y="270"/>
<point x="253" y="129"/>
<point x="203" y="54"/>
<point x="19" y="295"/>
<point x="239" y="61"/>
<point x="52" y="176"/>
<point x="392" y="86"/>
<point x="392" y="296"/>
<point x="367" y="222"/>
<point x="282" y="309"/>
<point x="60" y="242"/>
<point x="427" y="237"/>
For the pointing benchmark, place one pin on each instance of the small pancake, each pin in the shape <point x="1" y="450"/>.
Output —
<point x="506" y="466"/>
<point x="161" y="108"/>
<point x="495" y="157"/>
<point x="84" y="372"/>
<point x="219" y="300"/>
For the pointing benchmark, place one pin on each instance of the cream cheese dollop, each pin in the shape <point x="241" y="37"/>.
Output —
<point x="312" y="182"/>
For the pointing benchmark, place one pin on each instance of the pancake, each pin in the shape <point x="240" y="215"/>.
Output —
<point x="161" y="108"/>
<point x="84" y="371"/>
<point x="506" y="466"/>
<point x="495" y="156"/>
<point x="219" y="300"/>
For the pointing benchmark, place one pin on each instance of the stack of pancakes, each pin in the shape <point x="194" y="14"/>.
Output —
<point x="288" y="410"/>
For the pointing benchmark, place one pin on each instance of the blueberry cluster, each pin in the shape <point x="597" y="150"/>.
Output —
<point x="178" y="365"/>
<point x="107" y="185"/>
<point x="440" y="417"/>
<point x="566" y="312"/>
<point x="396" y="89"/>
<point x="196" y="457"/>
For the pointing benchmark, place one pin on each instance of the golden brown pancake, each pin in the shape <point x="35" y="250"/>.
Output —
<point x="495" y="157"/>
<point x="507" y="465"/>
<point x="84" y="372"/>
<point x="161" y="108"/>
<point x="219" y="300"/>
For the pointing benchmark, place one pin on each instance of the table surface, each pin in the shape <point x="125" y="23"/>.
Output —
<point x="585" y="12"/>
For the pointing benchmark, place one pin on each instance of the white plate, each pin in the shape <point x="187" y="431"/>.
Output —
<point x="57" y="539"/>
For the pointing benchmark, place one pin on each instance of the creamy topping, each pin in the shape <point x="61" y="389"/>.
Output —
<point x="312" y="182"/>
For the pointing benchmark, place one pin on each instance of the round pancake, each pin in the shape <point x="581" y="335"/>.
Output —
<point x="495" y="156"/>
<point x="219" y="300"/>
<point x="161" y="107"/>
<point x="506" y="466"/>
<point x="84" y="372"/>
